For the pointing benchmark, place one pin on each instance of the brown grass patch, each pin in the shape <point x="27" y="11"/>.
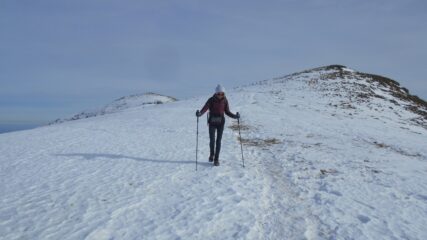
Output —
<point x="380" y="145"/>
<point x="243" y="127"/>
<point x="397" y="150"/>
<point x="328" y="171"/>
<point x="258" y="142"/>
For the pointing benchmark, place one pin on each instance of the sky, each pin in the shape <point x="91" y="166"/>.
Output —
<point x="58" y="58"/>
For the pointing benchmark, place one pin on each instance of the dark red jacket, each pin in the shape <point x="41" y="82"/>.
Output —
<point x="217" y="107"/>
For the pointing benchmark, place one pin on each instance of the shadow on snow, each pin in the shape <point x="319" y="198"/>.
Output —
<point x="93" y="156"/>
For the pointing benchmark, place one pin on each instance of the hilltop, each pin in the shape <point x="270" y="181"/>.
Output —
<point x="123" y="103"/>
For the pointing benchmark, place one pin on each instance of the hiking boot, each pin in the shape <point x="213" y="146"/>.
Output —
<point x="216" y="162"/>
<point x="211" y="158"/>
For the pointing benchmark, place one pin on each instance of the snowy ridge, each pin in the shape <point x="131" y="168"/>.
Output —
<point x="123" y="103"/>
<point x="345" y="88"/>
<point x="322" y="162"/>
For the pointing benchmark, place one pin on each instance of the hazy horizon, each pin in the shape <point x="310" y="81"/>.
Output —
<point x="12" y="127"/>
<point x="59" y="58"/>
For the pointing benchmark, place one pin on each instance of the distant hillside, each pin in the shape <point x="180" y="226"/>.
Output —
<point x="136" y="100"/>
<point x="349" y="89"/>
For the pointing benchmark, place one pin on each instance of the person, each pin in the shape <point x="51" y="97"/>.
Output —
<point x="217" y="106"/>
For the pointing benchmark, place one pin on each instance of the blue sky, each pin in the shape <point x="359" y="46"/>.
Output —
<point x="60" y="57"/>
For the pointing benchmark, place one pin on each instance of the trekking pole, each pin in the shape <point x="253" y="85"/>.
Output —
<point x="197" y="138"/>
<point x="241" y="144"/>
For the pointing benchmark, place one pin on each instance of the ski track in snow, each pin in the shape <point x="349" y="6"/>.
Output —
<point x="131" y="175"/>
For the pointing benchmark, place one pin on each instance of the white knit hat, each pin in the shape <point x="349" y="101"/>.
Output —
<point x="219" y="89"/>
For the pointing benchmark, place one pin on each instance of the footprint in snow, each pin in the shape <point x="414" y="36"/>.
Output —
<point x="363" y="219"/>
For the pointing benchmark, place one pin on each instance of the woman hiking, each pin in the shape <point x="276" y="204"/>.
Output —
<point x="217" y="105"/>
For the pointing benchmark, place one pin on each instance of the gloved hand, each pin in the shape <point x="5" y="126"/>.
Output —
<point x="198" y="113"/>
<point x="237" y="115"/>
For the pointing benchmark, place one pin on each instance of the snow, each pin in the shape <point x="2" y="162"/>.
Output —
<point x="118" y="105"/>
<point x="313" y="171"/>
<point x="348" y="69"/>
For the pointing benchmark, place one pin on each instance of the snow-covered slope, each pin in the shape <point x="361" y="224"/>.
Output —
<point x="330" y="153"/>
<point x="136" y="100"/>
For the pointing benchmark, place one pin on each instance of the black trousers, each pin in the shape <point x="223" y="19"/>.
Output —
<point x="218" y="129"/>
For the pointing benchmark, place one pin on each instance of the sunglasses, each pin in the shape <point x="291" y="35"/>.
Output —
<point x="220" y="94"/>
